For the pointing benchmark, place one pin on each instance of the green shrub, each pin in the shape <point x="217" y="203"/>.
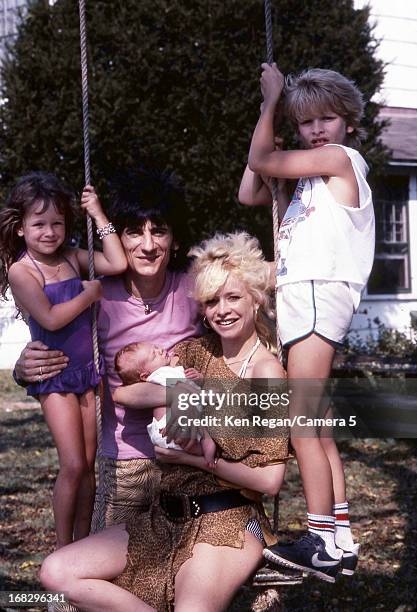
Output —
<point x="387" y="343"/>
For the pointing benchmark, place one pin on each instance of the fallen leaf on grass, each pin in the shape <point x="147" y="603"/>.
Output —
<point x="26" y="564"/>
<point x="294" y="526"/>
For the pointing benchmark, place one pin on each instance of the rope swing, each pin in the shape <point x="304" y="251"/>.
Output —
<point x="275" y="216"/>
<point x="98" y="515"/>
<point x="266" y="578"/>
<point x="274" y="183"/>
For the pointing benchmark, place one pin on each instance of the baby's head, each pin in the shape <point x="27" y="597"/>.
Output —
<point x="316" y="92"/>
<point x="136" y="361"/>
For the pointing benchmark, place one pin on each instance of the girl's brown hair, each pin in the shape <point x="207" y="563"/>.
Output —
<point x="36" y="187"/>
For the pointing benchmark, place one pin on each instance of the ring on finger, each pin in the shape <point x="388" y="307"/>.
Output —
<point x="40" y="372"/>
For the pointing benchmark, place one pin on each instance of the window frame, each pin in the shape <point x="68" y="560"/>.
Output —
<point x="404" y="203"/>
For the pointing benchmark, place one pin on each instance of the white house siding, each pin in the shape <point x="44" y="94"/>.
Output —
<point x="9" y="19"/>
<point x="394" y="311"/>
<point x="14" y="334"/>
<point x="396" y="28"/>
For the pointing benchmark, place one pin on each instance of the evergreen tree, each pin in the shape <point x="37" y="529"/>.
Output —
<point x="173" y="84"/>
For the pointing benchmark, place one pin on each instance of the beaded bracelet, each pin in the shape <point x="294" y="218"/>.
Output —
<point x="106" y="230"/>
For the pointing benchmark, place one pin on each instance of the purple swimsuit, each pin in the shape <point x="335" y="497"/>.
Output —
<point x="74" y="340"/>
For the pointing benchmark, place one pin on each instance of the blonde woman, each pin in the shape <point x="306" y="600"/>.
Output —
<point x="203" y="537"/>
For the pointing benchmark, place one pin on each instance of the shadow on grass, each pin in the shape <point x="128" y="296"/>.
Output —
<point x="13" y="489"/>
<point x="392" y="464"/>
<point x="389" y="516"/>
<point x="10" y="584"/>
<point x="366" y="591"/>
<point x="361" y="593"/>
<point x="24" y="433"/>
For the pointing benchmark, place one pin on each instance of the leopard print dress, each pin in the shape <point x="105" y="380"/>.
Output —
<point x="157" y="546"/>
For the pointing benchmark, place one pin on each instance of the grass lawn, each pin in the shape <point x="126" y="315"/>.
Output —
<point x="382" y="483"/>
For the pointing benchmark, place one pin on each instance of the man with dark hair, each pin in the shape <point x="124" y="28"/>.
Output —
<point x="149" y="302"/>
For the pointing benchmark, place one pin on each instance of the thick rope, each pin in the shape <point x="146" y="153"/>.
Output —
<point x="98" y="516"/>
<point x="274" y="184"/>
<point x="275" y="215"/>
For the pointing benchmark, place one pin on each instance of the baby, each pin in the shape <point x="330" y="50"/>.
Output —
<point x="146" y="362"/>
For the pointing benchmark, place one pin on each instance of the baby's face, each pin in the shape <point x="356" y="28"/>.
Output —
<point x="151" y="357"/>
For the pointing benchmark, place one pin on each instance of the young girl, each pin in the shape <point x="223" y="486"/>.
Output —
<point x="45" y="278"/>
<point x="326" y="247"/>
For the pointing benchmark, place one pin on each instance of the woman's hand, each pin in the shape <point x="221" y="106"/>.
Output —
<point x="37" y="361"/>
<point x="91" y="204"/>
<point x="272" y="84"/>
<point x="192" y="374"/>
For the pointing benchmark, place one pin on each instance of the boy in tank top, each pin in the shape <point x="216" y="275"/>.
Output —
<point x="326" y="249"/>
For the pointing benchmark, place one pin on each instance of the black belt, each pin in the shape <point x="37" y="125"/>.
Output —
<point x="185" y="507"/>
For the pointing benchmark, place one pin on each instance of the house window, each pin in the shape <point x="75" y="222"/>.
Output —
<point x="391" y="269"/>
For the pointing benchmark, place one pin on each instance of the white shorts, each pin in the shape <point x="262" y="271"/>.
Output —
<point x="321" y="307"/>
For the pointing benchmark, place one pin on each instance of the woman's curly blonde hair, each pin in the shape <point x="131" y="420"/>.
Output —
<point x="239" y="254"/>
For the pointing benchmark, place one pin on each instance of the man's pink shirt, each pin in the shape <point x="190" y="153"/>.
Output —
<point x="121" y="320"/>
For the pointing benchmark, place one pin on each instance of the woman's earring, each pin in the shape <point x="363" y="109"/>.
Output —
<point x="206" y="323"/>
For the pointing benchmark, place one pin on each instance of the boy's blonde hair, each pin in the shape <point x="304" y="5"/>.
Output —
<point x="238" y="254"/>
<point x="320" y="90"/>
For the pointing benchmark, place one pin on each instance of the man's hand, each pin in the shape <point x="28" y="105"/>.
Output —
<point x="37" y="363"/>
<point x="170" y="455"/>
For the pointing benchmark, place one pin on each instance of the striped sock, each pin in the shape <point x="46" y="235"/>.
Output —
<point x="323" y="525"/>
<point x="343" y="534"/>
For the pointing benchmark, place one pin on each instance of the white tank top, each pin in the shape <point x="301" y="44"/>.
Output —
<point x="321" y="239"/>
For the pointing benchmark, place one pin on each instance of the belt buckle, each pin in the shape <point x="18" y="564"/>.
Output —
<point x="194" y="507"/>
<point x="186" y="507"/>
<point x="182" y="499"/>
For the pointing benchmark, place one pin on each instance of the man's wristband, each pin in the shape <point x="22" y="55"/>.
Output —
<point x="106" y="230"/>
